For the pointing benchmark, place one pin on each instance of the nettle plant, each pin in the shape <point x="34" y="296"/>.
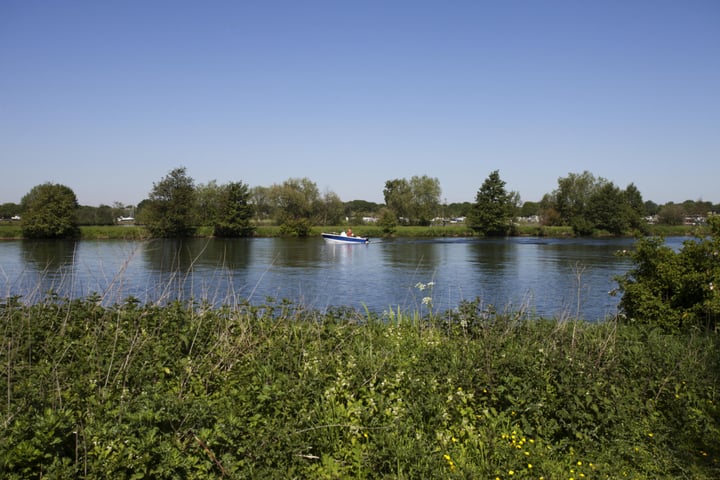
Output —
<point x="674" y="290"/>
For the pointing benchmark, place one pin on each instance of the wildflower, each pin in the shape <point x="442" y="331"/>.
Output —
<point x="427" y="300"/>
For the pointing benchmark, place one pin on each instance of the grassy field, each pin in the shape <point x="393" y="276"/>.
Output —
<point x="277" y="391"/>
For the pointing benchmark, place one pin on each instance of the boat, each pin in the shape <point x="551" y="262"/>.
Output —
<point x="344" y="238"/>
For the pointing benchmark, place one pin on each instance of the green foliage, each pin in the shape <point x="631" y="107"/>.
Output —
<point x="9" y="210"/>
<point x="417" y="200"/>
<point x="494" y="207"/>
<point x="674" y="290"/>
<point x="102" y="215"/>
<point x="49" y="211"/>
<point x="233" y="218"/>
<point x="387" y="221"/>
<point x="425" y="199"/>
<point x="279" y="391"/>
<point x="590" y="204"/>
<point x="398" y="197"/>
<point x="169" y="211"/>
<point x="296" y="204"/>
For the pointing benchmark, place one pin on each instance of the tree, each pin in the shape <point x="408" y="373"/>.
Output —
<point x="332" y="209"/>
<point x="88" y="215"/>
<point x="296" y="203"/>
<point x="261" y="202"/>
<point x="571" y="198"/>
<point x="387" y="221"/>
<point x="170" y="206"/>
<point x="607" y="209"/>
<point x="208" y="198"/>
<point x="587" y="204"/>
<point x="398" y="197"/>
<point x="425" y="199"/>
<point x="651" y="208"/>
<point x="9" y="210"/>
<point x="234" y="211"/>
<point x="674" y="290"/>
<point x="671" y="214"/>
<point x="49" y="211"/>
<point x="529" y="209"/>
<point x="494" y="209"/>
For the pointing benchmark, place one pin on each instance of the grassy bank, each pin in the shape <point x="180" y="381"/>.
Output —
<point x="130" y="232"/>
<point x="280" y="392"/>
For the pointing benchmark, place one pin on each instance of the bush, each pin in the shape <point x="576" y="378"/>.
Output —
<point x="278" y="391"/>
<point x="49" y="211"/>
<point x="674" y="290"/>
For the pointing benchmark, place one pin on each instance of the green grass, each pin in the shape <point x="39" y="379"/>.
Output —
<point x="12" y="231"/>
<point x="278" y="391"/>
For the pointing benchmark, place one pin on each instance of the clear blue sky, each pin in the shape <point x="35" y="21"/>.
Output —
<point x="107" y="97"/>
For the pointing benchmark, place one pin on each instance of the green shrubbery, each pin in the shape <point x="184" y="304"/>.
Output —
<point x="275" y="391"/>
<point x="674" y="290"/>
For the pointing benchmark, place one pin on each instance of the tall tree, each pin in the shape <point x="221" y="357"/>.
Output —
<point x="332" y="209"/>
<point x="296" y="204"/>
<point x="261" y="202"/>
<point x="170" y="206"/>
<point x="398" y="197"/>
<point x="234" y="211"/>
<point x="608" y="209"/>
<point x="425" y="198"/>
<point x="49" y="211"/>
<point x="571" y="198"/>
<point x="208" y="198"/>
<point x="636" y="207"/>
<point x="494" y="207"/>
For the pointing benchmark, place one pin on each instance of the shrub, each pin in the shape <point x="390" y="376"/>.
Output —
<point x="674" y="290"/>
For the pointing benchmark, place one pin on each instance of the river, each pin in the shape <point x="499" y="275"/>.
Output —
<point x="558" y="278"/>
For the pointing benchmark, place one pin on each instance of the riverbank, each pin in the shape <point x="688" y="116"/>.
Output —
<point x="279" y="391"/>
<point x="132" y="232"/>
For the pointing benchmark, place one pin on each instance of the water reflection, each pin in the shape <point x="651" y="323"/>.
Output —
<point x="185" y="255"/>
<point x="46" y="266"/>
<point x="50" y="256"/>
<point x="548" y="276"/>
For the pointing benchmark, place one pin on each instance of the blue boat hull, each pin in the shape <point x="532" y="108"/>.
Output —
<point x="337" y="238"/>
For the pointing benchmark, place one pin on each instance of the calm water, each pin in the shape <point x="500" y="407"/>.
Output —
<point x="551" y="277"/>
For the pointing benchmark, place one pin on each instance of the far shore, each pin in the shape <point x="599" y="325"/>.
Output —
<point x="12" y="231"/>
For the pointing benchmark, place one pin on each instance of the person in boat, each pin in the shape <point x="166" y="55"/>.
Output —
<point x="349" y="232"/>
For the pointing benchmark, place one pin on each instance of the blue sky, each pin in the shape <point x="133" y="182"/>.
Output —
<point x="107" y="97"/>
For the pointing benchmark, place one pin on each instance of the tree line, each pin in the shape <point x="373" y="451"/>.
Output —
<point x="176" y="206"/>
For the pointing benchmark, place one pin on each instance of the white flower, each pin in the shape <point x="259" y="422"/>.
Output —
<point x="427" y="300"/>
